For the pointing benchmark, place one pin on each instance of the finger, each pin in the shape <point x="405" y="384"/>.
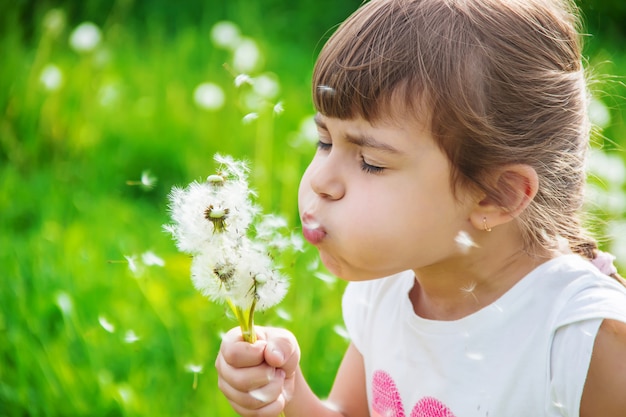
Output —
<point x="282" y="351"/>
<point x="244" y="379"/>
<point x="239" y="353"/>
<point x="257" y="398"/>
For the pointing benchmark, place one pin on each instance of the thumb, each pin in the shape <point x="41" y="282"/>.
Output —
<point x="282" y="350"/>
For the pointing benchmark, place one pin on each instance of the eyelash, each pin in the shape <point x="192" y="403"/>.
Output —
<point x="365" y="167"/>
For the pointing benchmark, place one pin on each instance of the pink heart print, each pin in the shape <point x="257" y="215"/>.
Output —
<point x="386" y="401"/>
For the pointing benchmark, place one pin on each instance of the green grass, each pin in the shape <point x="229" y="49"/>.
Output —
<point x="68" y="217"/>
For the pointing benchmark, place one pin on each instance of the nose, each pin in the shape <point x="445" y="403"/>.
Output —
<point x="326" y="179"/>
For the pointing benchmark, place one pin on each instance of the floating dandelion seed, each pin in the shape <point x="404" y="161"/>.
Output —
<point x="599" y="113"/>
<point x="469" y="289"/>
<point x="132" y="263"/>
<point x="64" y="301"/>
<point x="246" y="56"/>
<point x="195" y="369"/>
<point x="226" y="35"/>
<point x="278" y="108"/>
<point x="260" y="395"/>
<point x="150" y="258"/>
<point x="464" y="241"/>
<point x="326" y="90"/>
<point x="341" y="331"/>
<point x="85" y="37"/>
<point x="130" y="337"/>
<point x="283" y="314"/>
<point x="51" y="77"/>
<point x="106" y="324"/>
<point x="147" y="181"/>
<point x="327" y="278"/>
<point x="266" y="86"/>
<point x="250" y="117"/>
<point x="209" y="96"/>
<point x="242" y="79"/>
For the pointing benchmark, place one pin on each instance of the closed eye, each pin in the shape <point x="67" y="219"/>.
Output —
<point x="324" y="146"/>
<point x="370" y="169"/>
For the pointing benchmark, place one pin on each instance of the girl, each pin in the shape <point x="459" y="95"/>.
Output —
<point x="452" y="137"/>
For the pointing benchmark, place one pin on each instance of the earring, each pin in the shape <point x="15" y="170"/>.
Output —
<point x="485" y="227"/>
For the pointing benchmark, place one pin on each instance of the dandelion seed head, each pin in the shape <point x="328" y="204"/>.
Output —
<point x="272" y="291"/>
<point x="226" y="207"/>
<point x="213" y="274"/>
<point x="225" y="35"/>
<point x="51" y="77"/>
<point x="209" y="96"/>
<point x="106" y="324"/>
<point x="85" y="37"/>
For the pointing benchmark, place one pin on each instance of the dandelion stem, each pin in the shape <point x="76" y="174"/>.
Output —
<point x="245" y="318"/>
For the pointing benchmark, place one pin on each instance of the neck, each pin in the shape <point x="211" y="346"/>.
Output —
<point x="464" y="285"/>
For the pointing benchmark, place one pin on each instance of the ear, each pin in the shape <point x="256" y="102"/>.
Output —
<point x="515" y="186"/>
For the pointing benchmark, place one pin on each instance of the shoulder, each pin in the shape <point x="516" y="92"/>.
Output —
<point x="603" y="394"/>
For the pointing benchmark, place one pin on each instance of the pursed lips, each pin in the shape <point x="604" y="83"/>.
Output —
<point x="312" y="231"/>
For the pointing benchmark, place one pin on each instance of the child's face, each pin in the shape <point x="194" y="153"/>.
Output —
<point x="377" y="200"/>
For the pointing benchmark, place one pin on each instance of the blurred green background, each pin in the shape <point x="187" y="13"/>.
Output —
<point x="104" y="106"/>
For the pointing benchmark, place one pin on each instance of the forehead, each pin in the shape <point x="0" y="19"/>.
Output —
<point x="398" y="108"/>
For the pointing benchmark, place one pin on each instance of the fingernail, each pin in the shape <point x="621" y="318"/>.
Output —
<point x="278" y="354"/>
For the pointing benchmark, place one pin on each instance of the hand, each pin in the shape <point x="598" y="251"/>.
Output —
<point x="258" y="379"/>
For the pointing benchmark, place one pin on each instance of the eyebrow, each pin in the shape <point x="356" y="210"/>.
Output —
<point x="360" y="140"/>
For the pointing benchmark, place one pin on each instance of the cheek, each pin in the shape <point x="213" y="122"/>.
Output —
<point x="304" y="189"/>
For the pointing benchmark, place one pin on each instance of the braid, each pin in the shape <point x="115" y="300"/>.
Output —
<point x="589" y="250"/>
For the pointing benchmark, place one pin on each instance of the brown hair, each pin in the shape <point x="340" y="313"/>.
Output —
<point x="498" y="81"/>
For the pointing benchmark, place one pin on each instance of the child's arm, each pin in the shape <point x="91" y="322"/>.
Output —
<point x="605" y="389"/>
<point x="259" y="379"/>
